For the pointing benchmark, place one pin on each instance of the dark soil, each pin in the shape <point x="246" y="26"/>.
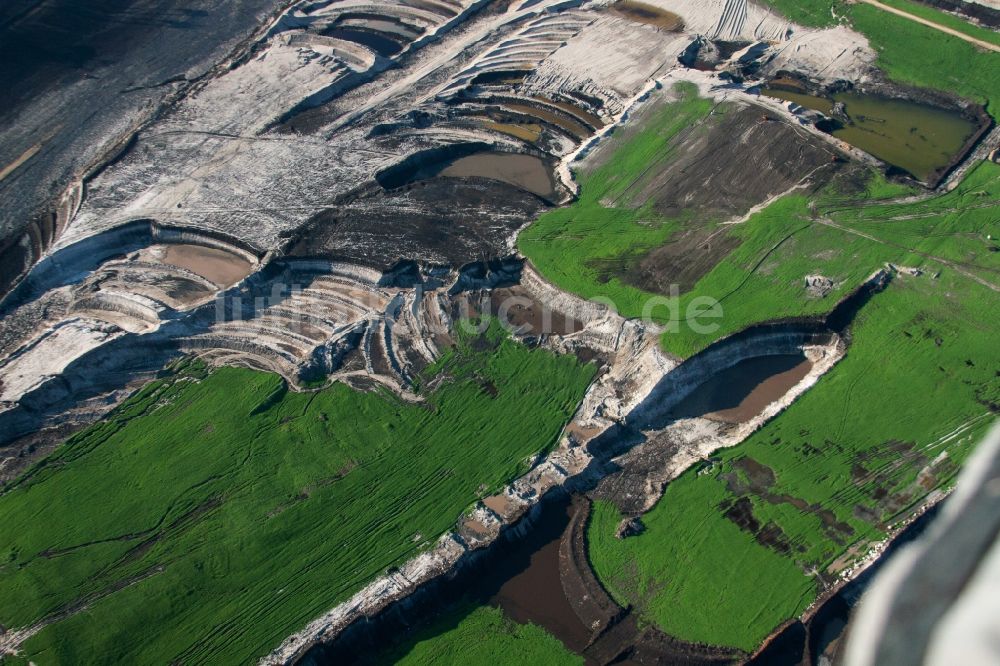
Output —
<point x="716" y="177"/>
<point x="690" y="254"/>
<point x="440" y="221"/>
<point x="715" y="174"/>
<point x="759" y="482"/>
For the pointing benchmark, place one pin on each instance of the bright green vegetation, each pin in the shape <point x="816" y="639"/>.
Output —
<point x="763" y="278"/>
<point x="569" y="244"/>
<point x="741" y="544"/>
<point x="928" y="58"/>
<point x="816" y="13"/>
<point x="775" y="249"/>
<point x="947" y="20"/>
<point x="710" y="584"/>
<point x="825" y="13"/>
<point x="482" y="635"/>
<point x="210" y="516"/>
<point x="879" y="188"/>
<point x="912" y="53"/>
<point x="735" y="548"/>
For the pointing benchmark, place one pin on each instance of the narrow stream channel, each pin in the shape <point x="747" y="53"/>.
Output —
<point x="521" y="576"/>
<point x="518" y="575"/>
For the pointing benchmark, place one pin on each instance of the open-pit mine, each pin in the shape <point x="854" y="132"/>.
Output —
<point x="484" y="331"/>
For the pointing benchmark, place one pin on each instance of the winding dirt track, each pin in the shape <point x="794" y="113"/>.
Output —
<point x="960" y="268"/>
<point x="931" y="24"/>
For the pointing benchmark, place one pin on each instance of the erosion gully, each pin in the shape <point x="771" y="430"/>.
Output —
<point x="538" y="573"/>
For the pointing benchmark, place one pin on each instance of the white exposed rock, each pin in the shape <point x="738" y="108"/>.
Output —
<point x="818" y="286"/>
<point x="47" y="355"/>
<point x="250" y="97"/>
<point x="613" y="58"/>
<point x="826" y="55"/>
<point x="727" y="20"/>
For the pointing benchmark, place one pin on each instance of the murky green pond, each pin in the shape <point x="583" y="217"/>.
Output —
<point x="821" y="104"/>
<point x="915" y="137"/>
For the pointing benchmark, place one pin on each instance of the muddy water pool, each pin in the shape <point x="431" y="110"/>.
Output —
<point x="918" y="138"/>
<point x="741" y="392"/>
<point x="525" y="171"/>
<point x="221" y="267"/>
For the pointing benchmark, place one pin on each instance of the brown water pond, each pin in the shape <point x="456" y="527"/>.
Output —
<point x="641" y="12"/>
<point x="520" y="576"/>
<point x="221" y="267"/>
<point x="741" y="392"/>
<point x="536" y="595"/>
<point x="525" y="171"/>
<point x="920" y="139"/>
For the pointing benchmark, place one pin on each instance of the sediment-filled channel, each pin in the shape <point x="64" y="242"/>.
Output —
<point x="538" y="573"/>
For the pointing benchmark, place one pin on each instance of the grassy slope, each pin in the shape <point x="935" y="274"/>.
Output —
<point x="815" y="13"/>
<point x="911" y="53"/>
<point x="481" y="635"/>
<point x="825" y="13"/>
<point x="923" y="361"/>
<point x="565" y="244"/>
<point x="947" y="20"/>
<point x="763" y="278"/>
<point x="694" y="572"/>
<point x="251" y="509"/>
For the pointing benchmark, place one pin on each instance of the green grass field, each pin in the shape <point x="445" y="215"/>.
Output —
<point x="480" y="635"/>
<point x="211" y="516"/>
<point x="945" y="19"/>
<point x="762" y="279"/>
<point x="860" y="449"/>
<point x="567" y="244"/>
<point x="814" y="13"/>
<point x="922" y="363"/>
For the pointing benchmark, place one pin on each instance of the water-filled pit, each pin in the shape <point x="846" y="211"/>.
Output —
<point x="218" y="266"/>
<point x="741" y="392"/>
<point x="525" y="171"/>
<point x="920" y="139"/>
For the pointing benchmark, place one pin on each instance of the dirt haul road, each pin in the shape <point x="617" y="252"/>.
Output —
<point x="931" y="24"/>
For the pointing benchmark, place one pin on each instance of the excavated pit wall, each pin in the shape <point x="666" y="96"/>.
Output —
<point x="76" y="261"/>
<point x="20" y="252"/>
<point x="102" y="370"/>
<point x="404" y="304"/>
<point x="115" y="130"/>
<point x="569" y="467"/>
<point x="394" y="614"/>
<point x="772" y="340"/>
